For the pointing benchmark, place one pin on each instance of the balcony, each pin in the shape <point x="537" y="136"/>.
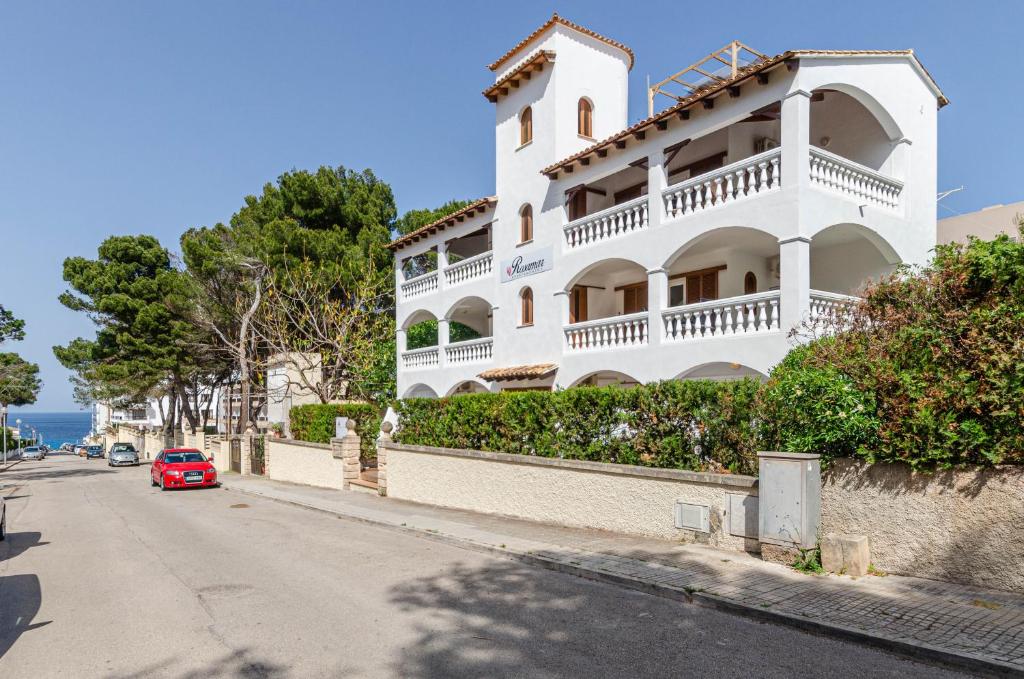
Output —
<point x="841" y="175"/>
<point x="470" y="351"/>
<point x="469" y="269"/>
<point x="738" y="181"/>
<point x="616" y="332"/>
<point x="743" y="315"/>
<point x="419" y="285"/>
<point x="612" y="222"/>
<point x="427" y="357"/>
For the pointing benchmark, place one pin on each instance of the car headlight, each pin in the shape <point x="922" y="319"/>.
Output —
<point x="171" y="472"/>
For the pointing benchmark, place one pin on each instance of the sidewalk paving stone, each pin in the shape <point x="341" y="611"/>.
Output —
<point x="975" y="628"/>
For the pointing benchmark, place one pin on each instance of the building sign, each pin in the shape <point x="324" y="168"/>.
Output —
<point x="522" y="266"/>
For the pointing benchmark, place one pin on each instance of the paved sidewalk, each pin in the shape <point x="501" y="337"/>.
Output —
<point x="981" y="630"/>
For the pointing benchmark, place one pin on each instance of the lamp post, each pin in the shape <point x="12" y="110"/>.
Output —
<point x="3" y="428"/>
<point x="18" y="422"/>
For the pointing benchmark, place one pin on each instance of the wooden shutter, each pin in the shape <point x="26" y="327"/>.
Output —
<point x="749" y="283"/>
<point x="527" y="307"/>
<point x="526" y="224"/>
<point x="578" y="205"/>
<point x="634" y="298"/>
<point x="578" y="304"/>
<point x="526" y="126"/>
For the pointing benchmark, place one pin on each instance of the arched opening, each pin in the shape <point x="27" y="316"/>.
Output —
<point x="468" y="319"/>
<point x="420" y="330"/>
<point x="722" y="372"/>
<point x="467" y="387"/>
<point x="846" y="256"/>
<point x="526" y="126"/>
<point x="525" y="307"/>
<point x="723" y="263"/>
<point x="750" y="283"/>
<point x="841" y="124"/>
<point x="526" y="223"/>
<point x="606" y="378"/>
<point x="419" y="391"/>
<point x="585" y="118"/>
<point x="611" y="287"/>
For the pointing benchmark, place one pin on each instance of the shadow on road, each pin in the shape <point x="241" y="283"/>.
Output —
<point x="16" y="543"/>
<point x="239" y="663"/>
<point x="24" y="473"/>
<point x="20" y="598"/>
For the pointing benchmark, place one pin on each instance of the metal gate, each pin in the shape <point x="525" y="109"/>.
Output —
<point x="236" y="455"/>
<point x="257" y="455"/>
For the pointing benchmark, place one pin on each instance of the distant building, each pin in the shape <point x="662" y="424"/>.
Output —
<point x="986" y="223"/>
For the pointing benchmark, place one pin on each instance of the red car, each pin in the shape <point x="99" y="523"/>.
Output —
<point x="182" y="468"/>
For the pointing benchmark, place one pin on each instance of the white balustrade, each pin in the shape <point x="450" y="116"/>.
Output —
<point x="607" y="333"/>
<point x="830" y="305"/>
<point x="470" y="351"/>
<point x="835" y="173"/>
<point x="744" y="315"/>
<point x="427" y="357"/>
<point x="469" y="268"/>
<point x="736" y="181"/>
<point x="615" y="221"/>
<point x="420" y="285"/>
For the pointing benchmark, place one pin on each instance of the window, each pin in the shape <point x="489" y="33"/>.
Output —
<point x="578" y="304"/>
<point x="749" y="283"/>
<point x="585" y="118"/>
<point x="701" y="286"/>
<point x="526" y="126"/>
<point x="634" y="298"/>
<point x="526" y="224"/>
<point x="578" y="205"/>
<point x="526" y="300"/>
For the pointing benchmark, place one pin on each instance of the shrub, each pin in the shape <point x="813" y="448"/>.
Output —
<point x="809" y="408"/>
<point x="315" y="423"/>
<point x="696" y="425"/>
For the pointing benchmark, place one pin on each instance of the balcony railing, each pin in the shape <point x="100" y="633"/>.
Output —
<point x="427" y="357"/>
<point x="825" y="305"/>
<point x="615" y="221"/>
<point x="607" y="333"/>
<point x="420" y="285"/>
<point x="470" y="351"/>
<point x="748" y="314"/>
<point x="835" y="173"/>
<point x="733" y="182"/>
<point x="476" y="266"/>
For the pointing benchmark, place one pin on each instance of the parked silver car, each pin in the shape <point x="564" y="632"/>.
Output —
<point x="122" y="454"/>
<point x="33" y="453"/>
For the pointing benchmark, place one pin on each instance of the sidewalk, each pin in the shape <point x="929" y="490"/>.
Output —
<point x="977" y="629"/>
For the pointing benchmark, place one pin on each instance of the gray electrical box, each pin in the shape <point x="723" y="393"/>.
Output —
<point x="743" y="515"/>
<point x="789" y="490"/>
<point x="693" y="517"/>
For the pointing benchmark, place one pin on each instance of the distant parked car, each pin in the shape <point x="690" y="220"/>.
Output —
<point x="32" y="453"/>
<point x="93" y="451"/>
<point x="122" y="454"/>
<point x="81" y="450"/>
<point x="67" y="447"/>
<point x="182" y="468"/>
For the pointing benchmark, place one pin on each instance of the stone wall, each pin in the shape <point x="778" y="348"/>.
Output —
<point x="622" y="498"/>
<point x="312" y="464"/>
<point x="963" y="526"/>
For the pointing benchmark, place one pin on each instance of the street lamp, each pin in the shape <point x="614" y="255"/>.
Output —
<point x="3" y="428"/>
<point x="18" y="422"/>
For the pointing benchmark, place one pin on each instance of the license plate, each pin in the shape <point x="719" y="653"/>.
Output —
<point x="193" y="477"/>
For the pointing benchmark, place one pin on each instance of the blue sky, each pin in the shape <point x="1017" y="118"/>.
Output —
<point x="145" y="117"/>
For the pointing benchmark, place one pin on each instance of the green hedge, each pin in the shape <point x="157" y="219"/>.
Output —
<point x="315" y="423"/>
<point x="696" y="425"/>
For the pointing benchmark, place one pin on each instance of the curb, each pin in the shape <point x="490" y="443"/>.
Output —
<point x="3" y="469"/>
<point x="913" y="650"/>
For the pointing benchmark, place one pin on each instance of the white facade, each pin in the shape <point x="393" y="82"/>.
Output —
<point x="802" y="178"/>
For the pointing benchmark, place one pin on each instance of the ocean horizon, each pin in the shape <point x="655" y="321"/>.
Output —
<point x="54" y="428"/>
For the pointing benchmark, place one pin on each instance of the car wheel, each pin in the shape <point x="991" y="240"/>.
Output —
<point x="152" y="481"/>
<point x="163" y="486"/>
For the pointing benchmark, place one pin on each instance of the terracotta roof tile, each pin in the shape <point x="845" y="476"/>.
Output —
<point x="519" y="372"/>
<point x="481" y="204"/>
<point x="539" y="57"/>
<point x="555" y="19"/>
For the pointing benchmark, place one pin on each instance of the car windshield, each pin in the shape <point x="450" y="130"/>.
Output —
<point x="178" y="458"/>
<point x="95" y="448"/>
<point x="31" y="449"/>
<point x="124" y="448"/>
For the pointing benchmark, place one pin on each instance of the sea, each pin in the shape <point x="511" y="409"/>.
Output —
<point x="54" y="428"/>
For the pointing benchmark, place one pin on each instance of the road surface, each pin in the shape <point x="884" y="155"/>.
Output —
<point x="105" y="576"/>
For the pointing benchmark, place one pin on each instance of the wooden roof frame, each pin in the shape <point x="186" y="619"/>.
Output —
<point x="555" y="19"/>
<point x="533" y="64"/>
<point x="473" y="209"/>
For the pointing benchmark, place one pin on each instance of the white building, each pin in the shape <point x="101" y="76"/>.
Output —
<point x="685" y="245"/>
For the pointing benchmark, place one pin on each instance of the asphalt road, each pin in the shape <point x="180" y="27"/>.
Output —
<point x="104" y="576"/>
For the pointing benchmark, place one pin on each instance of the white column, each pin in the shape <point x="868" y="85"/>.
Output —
<point x="442" y="342"/>
<point x="562" y="304"/>
<point x="399" y="279"/>
<point x="442" y="264"/>
<point x="794" y="281"/>
<point x="899" y="160"/>
<point x="657" y="301"/>
<point x="796" y="132"/>
<point x="657" y="182"/>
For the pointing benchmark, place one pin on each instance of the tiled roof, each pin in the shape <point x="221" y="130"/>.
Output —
<point x="555" y="19"/>
<point x="481" y="205"/>
<point x="534" y="62"/>
<point x="519" y="372"/>
<point x="659" y="120"/>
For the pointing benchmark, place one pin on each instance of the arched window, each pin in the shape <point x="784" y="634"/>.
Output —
<point x="526" y="224"/>
<point x="526" y="126"/>
<point x="585" y="118"/>
<point x="526" y="301"/>
<point x="749" y="283"/>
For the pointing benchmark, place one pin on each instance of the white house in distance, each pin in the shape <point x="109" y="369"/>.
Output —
<point x="685" y="245"/>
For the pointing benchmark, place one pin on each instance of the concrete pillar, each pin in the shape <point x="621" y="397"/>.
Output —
<point x="899" y="159"/>
<point x="794" y="281"/>
<point x="346" y="449"/>
<point x="382" y="457"/>
<point x="247" y="450"/>
<point x="796" y="132"/>
<point x="657" y="181"/>
<point x="442" y="264"/>
<point x="442" y="342"/>
<point x="657" y="301"/>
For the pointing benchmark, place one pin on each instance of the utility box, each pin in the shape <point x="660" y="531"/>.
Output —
<point x="789" y="491"/>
